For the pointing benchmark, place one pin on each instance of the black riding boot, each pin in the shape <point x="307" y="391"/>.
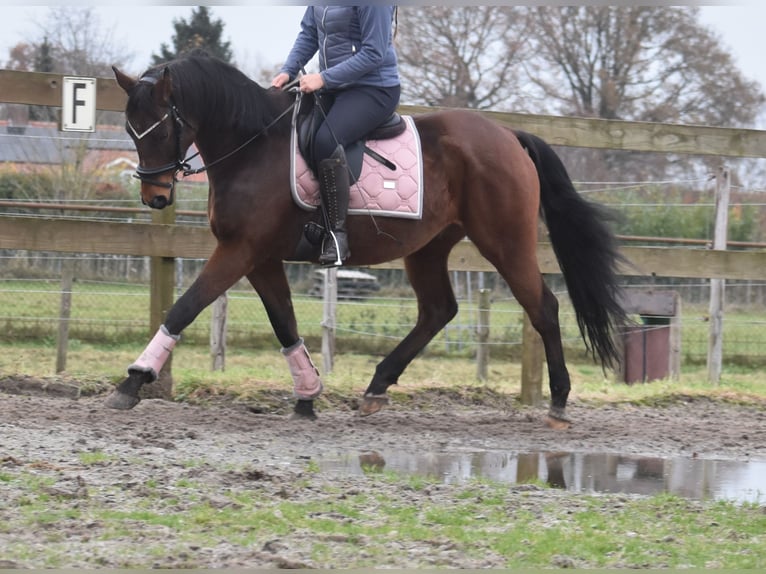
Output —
<point x="334" y="193"/>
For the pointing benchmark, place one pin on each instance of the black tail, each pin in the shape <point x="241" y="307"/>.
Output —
<point x="586" y="250"/>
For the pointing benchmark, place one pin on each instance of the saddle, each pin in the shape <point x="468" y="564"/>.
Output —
<point x="309" y="117"/>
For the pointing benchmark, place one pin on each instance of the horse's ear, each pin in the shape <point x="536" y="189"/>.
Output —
<point x="164" y="88"/>
<point x="126" y="82"/>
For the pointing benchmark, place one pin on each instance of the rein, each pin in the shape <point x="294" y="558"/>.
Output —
<point x="183" y="165"/>
<point x="247" y="142"/>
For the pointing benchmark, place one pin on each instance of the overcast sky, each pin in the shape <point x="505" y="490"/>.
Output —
<point x="261" y="35"/>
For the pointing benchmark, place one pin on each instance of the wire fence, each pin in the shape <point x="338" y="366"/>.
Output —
<point x="108" y="312"/>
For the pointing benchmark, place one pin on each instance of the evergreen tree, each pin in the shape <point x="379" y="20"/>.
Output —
<point x="200" y="32"/>
<point x="44" y="62"/>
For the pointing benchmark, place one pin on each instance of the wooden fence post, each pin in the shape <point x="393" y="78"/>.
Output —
<point x="482" y="335"/>
<point x="218" y="327"/>
<point x="62" y="342"/>
<point x="330" y="298"/>
<point x="676" y="341"/>
<point x="717" y="286"/>
<point x="162" y="295"/>
<point x="532" y="355"/>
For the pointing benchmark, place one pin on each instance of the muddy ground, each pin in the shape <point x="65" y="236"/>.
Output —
<point x="47" y="431"/>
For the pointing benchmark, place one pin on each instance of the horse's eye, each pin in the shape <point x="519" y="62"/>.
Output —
<point x="161" y="133"/>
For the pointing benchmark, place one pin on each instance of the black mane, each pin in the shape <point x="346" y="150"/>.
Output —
<point x="219" y="95"/>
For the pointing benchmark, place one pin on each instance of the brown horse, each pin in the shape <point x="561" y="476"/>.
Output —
<point x="481" y="180"/>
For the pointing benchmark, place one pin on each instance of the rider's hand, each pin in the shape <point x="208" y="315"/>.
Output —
<point x="311" y="83"/>
<point x="280" y="80"/>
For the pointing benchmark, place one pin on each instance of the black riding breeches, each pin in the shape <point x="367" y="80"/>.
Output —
<point x="350" y="114"/>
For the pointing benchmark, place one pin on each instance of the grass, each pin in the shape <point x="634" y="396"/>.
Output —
<point x="94" y="458"/>
<point x="377" y="521"/>
<point x="381" y="524"/>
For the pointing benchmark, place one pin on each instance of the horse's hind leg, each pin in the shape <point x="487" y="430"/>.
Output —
<point x="429" y="277"/>
<point x="546" y="322"/>
<point x="520" y="270"/>
<point x="270" y="282"/>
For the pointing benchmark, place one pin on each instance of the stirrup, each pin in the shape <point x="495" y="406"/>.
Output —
<point x="331" y="256"/>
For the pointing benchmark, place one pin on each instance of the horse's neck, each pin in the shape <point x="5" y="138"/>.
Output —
<point x="216" y="139"/>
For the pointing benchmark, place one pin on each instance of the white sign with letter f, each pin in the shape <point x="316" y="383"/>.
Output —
<point x="78" y="109"/>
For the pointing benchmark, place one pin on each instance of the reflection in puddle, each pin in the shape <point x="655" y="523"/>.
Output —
<point x="577" y="472"/>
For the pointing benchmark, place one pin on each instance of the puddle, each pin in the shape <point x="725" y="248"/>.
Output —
<point x="577" y="472"/>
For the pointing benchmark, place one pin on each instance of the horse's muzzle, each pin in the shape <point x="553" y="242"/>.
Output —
<point x="157" y="202"/>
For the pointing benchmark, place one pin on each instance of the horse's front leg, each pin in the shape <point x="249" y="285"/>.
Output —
<point x="270" y="282"/>
<point x="220" y="272"/>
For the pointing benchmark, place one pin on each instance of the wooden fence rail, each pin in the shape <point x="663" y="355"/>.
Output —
<point x="45" y="90"/>
<point x="191" y="242"/>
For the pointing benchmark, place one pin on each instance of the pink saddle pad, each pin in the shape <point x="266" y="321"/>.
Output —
<point x="379" y="190"/>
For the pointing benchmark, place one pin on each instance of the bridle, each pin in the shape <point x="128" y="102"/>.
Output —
<point x="181" y="164"/>
<point x="145" y="174"/>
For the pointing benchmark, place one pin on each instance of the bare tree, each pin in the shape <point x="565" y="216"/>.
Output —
<point x="639" y="63"/>
<point x="461" y="56"/>
<point x="71" y="41"/>
<point x="80" y="44"/>
<point x="21" y="57"/>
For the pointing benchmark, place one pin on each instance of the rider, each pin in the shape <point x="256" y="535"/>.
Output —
<point x="359" y="89"/>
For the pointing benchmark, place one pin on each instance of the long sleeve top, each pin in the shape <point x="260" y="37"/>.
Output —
<point x="354" y="43"/>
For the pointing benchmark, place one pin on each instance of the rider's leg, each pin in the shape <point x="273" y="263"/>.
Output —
<point x="353" y="113"/>
<point x="334" y="193"/>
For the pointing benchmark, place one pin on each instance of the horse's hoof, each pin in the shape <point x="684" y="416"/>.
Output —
<point x="121" y="401"/>
<point x="371" y="404"/>
<point x="303" y="416"/>
<point x="557" y="420"/>
<point x="303" y="411"/>
<point x="126" y="395"/>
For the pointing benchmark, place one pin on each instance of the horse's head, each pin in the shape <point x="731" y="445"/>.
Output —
<point x="159" y="132"/>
